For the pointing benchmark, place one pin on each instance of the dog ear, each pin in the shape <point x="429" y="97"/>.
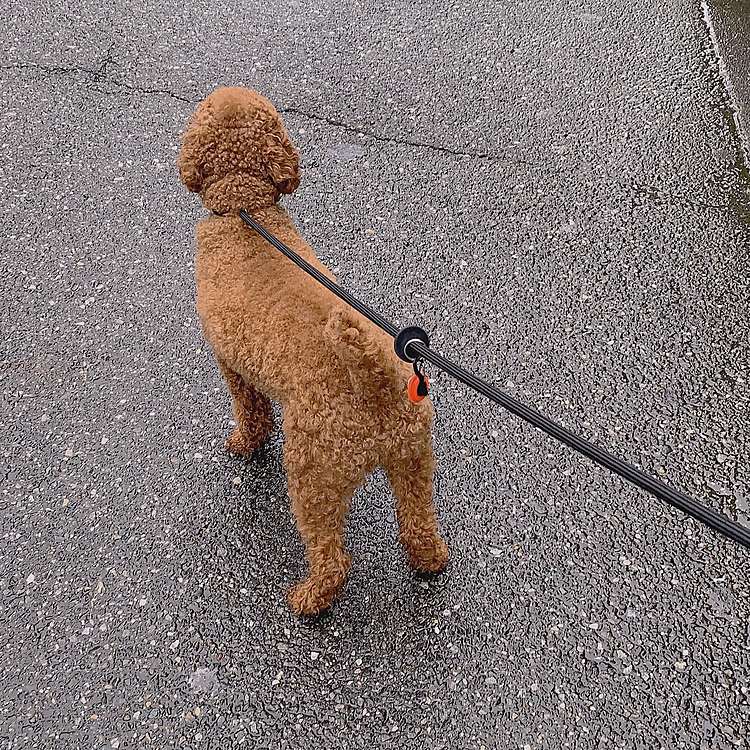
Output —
<point x="282" y="160"/>
<point x="189" y="161"/>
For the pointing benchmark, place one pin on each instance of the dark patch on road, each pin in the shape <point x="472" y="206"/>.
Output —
<point x="729" y="26"/>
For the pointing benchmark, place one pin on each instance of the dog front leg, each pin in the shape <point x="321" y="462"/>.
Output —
<point x="253" y="414"/>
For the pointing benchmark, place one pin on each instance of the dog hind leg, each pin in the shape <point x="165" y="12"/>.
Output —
<point x="252" y="413"/>
<point x="410" y="470"/>
<point x="320" y="494"/>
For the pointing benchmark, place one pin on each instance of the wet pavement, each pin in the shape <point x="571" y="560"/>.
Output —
<point x="558" y="194"/>
<point x="729" y="22"/>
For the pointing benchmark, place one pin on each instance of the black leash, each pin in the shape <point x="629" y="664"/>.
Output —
<point x="412" y="345"/>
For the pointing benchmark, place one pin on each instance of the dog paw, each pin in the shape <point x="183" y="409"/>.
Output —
<point x="238" y="444"/>
<point x="428" y="555"/>
<point x="306" y="598"/>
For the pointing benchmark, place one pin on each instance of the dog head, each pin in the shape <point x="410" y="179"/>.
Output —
<point x="236" y="152"/>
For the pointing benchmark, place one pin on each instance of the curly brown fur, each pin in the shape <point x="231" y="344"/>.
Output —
<point x="279" y="335"/>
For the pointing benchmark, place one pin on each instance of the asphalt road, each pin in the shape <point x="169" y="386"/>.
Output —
<point x="556" y="191"/>
<point x="730" y="22"/>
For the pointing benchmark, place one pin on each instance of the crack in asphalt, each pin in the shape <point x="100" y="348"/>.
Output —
<point x="398" y="141"/>
<point x="95" y="76"/>
<point x="99" y="76"/>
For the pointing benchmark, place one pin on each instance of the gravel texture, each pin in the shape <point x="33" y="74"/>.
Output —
<point x="557" y="192"/>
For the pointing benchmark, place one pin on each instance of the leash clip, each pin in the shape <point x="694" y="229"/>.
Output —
<point x="418" y="386"/>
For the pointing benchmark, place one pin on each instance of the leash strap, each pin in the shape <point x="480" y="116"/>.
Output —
<point x="416" y="347"/>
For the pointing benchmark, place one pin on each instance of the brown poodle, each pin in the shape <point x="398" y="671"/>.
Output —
<point x="279" y="335"/>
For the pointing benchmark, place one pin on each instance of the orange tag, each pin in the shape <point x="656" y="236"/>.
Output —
<point x="417" y="391"/>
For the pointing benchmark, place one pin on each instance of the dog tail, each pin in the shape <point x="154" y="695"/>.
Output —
<point x="362" y="351"/>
